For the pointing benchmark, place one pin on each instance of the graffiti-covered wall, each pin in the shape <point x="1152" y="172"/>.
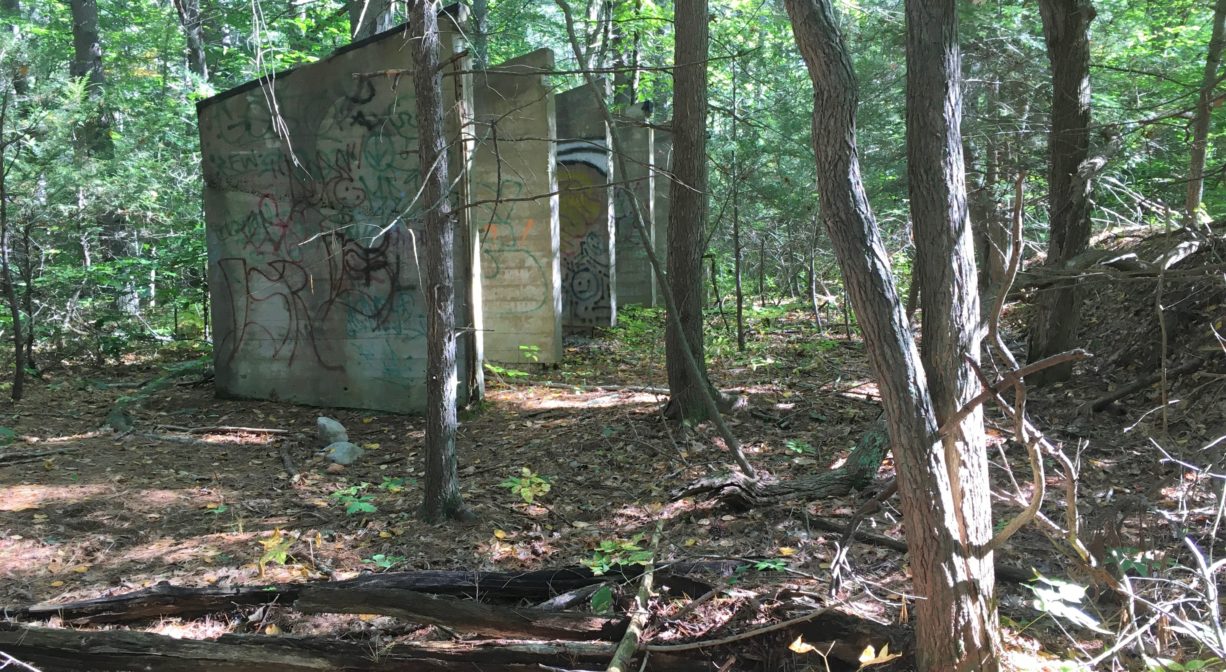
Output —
<point x="589" y="292"/>
<point x="514" y="182"/>
<point x="314" y="232"/>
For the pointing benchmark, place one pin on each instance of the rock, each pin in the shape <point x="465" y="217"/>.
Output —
<point x="335" y="469"/>
<point x="343" y="452"/>
<point x="330" y="431"/>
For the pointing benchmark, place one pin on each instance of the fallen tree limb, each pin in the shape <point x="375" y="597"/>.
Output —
<point x="467" y="616"/>
<point x="742" y="492"/>
<point x="18" y="458"/>
<point x="56" y="650"/>
<point x="623" y="655"/>
<point x="1103" y="402"/>
<point x="168" y="600"/>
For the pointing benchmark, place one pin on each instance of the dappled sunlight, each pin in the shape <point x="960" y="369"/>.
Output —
<point x="25" y="497"/>
<point x="529" y="399"/>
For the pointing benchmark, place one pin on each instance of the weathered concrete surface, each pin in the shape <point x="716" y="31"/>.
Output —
<point x="314" y="232"/>
<point x="589" y="290"/>
<point x="520" y="239"/>
<point x="663" y="189"/>
<point x="636" y="284"/>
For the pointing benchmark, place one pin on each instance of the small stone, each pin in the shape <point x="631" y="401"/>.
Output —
<point x="335" y="469"/>
<point x="343" y="452"/>
<point x="330" y="431"/>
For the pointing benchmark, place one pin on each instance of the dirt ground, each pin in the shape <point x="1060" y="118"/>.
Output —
<point x="182" y="500"/>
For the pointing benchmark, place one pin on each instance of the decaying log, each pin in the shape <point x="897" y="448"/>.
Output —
<point x="741" y="492"/>
<point x="508" y="587"/>
<point x="56" y="650"/>
<point x="466" y="616"/>
<point x="1195" y="364"/>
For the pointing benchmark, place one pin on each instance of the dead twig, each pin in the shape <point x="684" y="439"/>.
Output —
<point x="629" y="645"/>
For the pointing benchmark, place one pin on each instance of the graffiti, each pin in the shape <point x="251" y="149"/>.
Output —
<point x="587" y="290"/>
<point x="313" y="258"/>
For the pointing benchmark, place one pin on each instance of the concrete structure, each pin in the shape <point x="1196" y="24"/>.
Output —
<point x="663" y="173"/>
<point x="636" y="283"/>
<point x="515" y="161"/>
<point x="589" y="289"/>
<point x="314" y="231"/>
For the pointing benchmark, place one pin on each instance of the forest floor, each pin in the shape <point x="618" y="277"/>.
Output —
<point x="181" y="500"/>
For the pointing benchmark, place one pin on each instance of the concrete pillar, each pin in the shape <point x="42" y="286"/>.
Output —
<point x="589" y="275"/>
<point x="314" y="231"/>
<point x="514" y="162"/>
<point x="636" y="285"/>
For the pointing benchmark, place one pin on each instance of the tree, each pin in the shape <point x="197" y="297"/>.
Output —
<point x="948" y="573"/>
<point x="687" y="218"/>
<point x="193" y="30"/>
<point x="370" y="17"/>
<point x="952" y="333"/>
<point x="442" y="488"/>
<point x="1066" y="30"/>
<point x="87" y="64"/>
<point x="1204" y="110"/>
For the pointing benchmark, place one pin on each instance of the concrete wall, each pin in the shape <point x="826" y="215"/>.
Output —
<point x="514" y="159"/>
<point x="589" y="290"/>
<point x="314" y="232"/>
<point x="663" y="186"/>
<point x="636" y="283"/>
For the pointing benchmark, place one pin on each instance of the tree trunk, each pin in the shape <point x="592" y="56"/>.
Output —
<point x="1066" y="25"/>
<point x="479" y="27"/>
<point x="1204" y="112"/>
<point x="736" y="227"/>
<point x="952" y="333"/>
<point x="943" y="573"/>
<point x="87" y="63"/>
<point x="369" y="17"/>
<point x="193" y="30"/>
<point x="6" y="269"/>
<point x="10" y="11"/>
<point x="688" y="214"/>
<point x="442" y="487"/>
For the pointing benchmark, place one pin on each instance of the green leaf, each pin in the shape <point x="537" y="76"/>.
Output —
<point x="602" y="600"/>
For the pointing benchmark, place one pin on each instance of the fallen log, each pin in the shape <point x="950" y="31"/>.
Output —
<point x="167" y="600"/>
<point x="56" y="650"/>
<point x="466" y="616"/>
<point x="860" y="469"/>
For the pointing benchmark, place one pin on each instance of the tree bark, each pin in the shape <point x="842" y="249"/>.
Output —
<point x="943" y="574"/>
<point x="688" y="214"/>
<point x="87" y="64"/>
<point x="193" y="31"/>
<point x="952" y="333"/>
<point x="479" y="26"/>
<point x="442" y="487"/>
<point x="1066" y="25"/>
<point x="6" y="268"/>
<point x="369" y="17"/>
<point x="1204" y="112"/>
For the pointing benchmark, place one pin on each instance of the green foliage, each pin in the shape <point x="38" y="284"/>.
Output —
<point x="528" y="485"/>
<point x="800" y="447"/>
<point x="384" y="561"/>
<point x="602" y="600"/>
<point x="610" y="553"/>
<point x="355" y="499"/>
<point x="7" y="436"/>
<point x="1062" y="599"/>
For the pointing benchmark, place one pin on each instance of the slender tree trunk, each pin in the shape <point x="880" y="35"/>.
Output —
<point x="736" y="225"/>
<point x="10" y="290"/>
<point x="479" y="28"/>
<point x="10" y="11"/>
<point x="942" y="569"/>
<point x="688" y="213"/>
<point x="952" y="333"/>
<point x="370" y="17"/>
<point x="1204" y="112"/>
<point x="87" y="63"/>
<point x="1066" y="26"/>
<point x="193" y="31"/>
<point x="442" y="488"/>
